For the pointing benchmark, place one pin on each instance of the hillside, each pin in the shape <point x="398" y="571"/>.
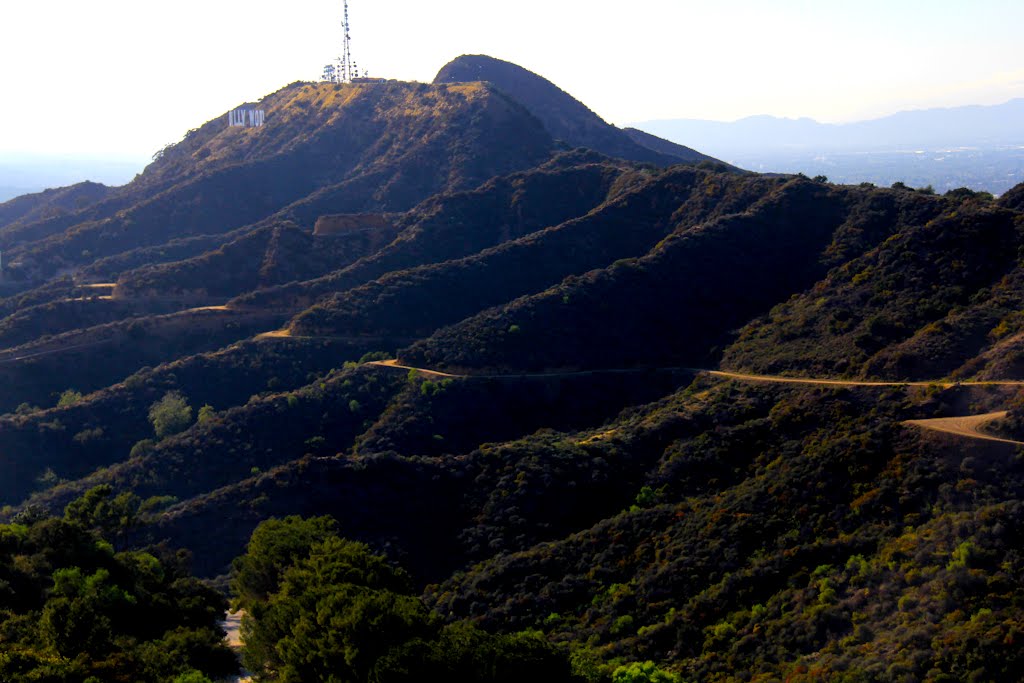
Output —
<point x="418" y="301"/>
<point x="460" y="224"/>
<point x="475" y="325"/>
<point x="49" y="203"/>
<point x="563" y="116"/>
<point x="309" y="144"/>
<point x="921" y="304"/>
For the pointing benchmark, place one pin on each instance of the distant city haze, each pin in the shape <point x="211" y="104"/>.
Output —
<point x="977" y="147"/>
<point x="117" y="79"/>
<point x="25" y="173"/>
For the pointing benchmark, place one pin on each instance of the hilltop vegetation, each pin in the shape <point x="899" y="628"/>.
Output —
<point x="566" y="492"/>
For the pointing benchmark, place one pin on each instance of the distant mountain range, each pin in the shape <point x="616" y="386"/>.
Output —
<point x="972" y="126"/>
<point x="977" y="146"/>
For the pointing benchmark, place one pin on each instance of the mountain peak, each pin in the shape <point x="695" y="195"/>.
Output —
<point x="565" y="117"/>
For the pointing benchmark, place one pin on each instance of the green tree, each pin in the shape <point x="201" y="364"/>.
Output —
<point x="643" y="672"/>
<point x="331" y="610"/>
<point x="336" y="612"/>
<point x="72" y="609"/>
<point x="100" y="509"/>
<point x="77" y="616"/>
<point x="274" y="546"/>
<point x="170" y="415"/>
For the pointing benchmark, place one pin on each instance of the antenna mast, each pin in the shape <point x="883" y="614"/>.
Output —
<point x="347" y="67"/>
<point x="343" y="69"/>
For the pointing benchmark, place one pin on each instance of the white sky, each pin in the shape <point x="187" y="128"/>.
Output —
<point x="121" y="78"/>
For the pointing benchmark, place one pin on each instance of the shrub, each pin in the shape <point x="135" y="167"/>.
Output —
<point x="206" y="413"/>
<point x="142" y="448"/>
<point x="643" y="672"/>
<point x="69" y="398"/>
<point x="86" y="435"/>
<point x="25" y="409"/>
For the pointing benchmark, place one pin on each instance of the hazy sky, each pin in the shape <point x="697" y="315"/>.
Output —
<point x="124" y="77"/>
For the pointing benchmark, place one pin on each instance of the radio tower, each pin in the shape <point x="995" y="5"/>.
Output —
<point x="345" y="69"/>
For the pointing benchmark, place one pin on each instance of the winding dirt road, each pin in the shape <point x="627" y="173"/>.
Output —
<point x="969" y="426"/>
<point x="861" y="382"/>
<point x="422" y="371"/>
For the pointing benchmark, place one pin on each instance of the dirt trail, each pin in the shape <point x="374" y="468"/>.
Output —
<point x="743" y="377"/>
<point x="232" y="625"/>
<point x="275" y="334"/>
<point x="970" y="426"/>
<point x="859" y="382"/>
<point x="422" y="371"/>
<point x="48" y="352"/>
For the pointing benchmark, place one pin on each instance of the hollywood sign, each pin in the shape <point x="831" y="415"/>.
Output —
<point x="246" y="118"/>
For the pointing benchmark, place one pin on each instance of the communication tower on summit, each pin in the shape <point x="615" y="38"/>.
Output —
<point x="343" y="69"/>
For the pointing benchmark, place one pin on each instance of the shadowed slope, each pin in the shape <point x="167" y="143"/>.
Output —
<point x="385" y="147"/>
<point x="565" y="117"/>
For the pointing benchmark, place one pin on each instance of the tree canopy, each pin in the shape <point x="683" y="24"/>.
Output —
<point x="170" y="415"/>
<point x="72" y="609"/>
<point x="323" y="608"/>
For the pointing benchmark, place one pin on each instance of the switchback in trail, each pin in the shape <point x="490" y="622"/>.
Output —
<point x="969" y="426"/>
